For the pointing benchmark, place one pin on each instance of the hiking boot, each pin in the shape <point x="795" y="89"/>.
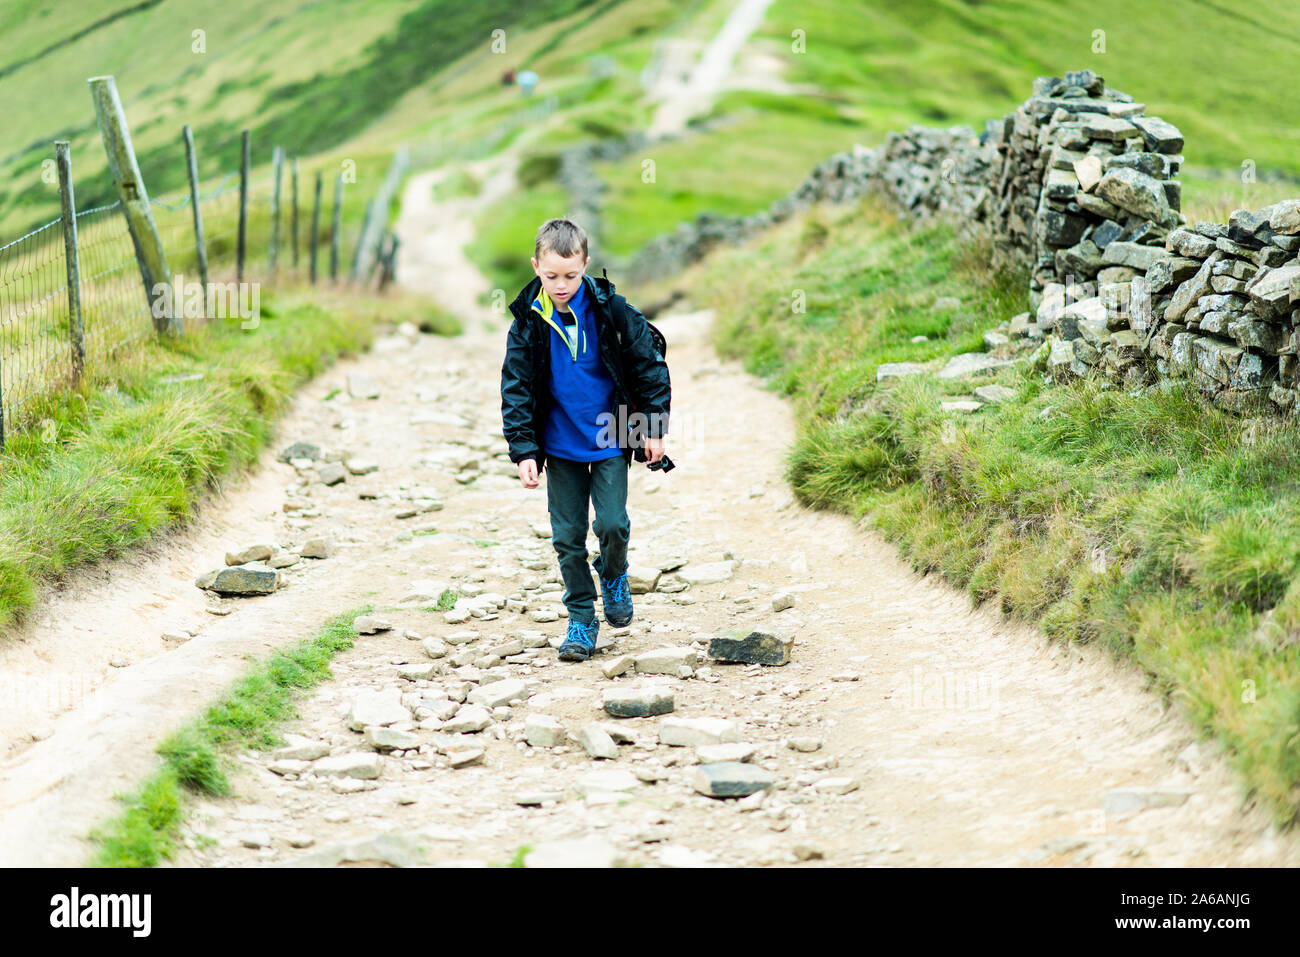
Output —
<point x="617" y="600"/>
<point x="616" y="596"/>
<point x="580" y="642"/>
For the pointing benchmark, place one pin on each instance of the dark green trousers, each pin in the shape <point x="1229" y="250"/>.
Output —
<point x="572" y="490"/>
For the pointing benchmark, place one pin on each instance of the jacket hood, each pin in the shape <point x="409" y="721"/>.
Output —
<point x="601" y="288"/>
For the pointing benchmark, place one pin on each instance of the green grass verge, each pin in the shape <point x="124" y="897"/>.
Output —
<point x="1153" y="525"/>
<point x="196" y="757"/>
<point x="128" y="455"/>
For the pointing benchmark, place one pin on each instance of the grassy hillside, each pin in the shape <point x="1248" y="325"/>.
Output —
<point x="285" y="69"/>
<point x="1210" y="69"/>
<point x="423" y="70"/>
<point x="882" y="66"/>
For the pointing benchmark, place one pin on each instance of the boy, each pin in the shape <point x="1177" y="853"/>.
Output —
<point x="578" y="359"/>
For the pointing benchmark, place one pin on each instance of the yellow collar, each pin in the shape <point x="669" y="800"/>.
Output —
<point x="546" y="309"/>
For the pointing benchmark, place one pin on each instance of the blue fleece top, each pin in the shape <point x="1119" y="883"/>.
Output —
<point x="580" y="383"/>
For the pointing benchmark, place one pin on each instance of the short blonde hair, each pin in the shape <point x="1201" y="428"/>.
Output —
<point x="562" y="237"/>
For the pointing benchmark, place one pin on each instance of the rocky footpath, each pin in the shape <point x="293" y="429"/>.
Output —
<point x="788" y="693"/>
<point x="903" y="728"/>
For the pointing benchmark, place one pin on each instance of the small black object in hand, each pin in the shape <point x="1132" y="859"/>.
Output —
<point x="664" y="463"/>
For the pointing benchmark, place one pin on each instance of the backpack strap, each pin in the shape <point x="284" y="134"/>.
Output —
<point x="661" y="344"/>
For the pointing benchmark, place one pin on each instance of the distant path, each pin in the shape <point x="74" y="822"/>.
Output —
<point x="435" y="232"/>
<point x="683" y="99"/>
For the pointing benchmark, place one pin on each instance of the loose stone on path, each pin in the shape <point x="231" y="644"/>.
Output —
<point x="376" y="707"/>
<point x="782" y="600"/>
<point x="470" y="718"/>
<point x="694" y="732"/>
<point x="299" y="748"/>
<point x="837" y="785"/>
<point x="331" y="473"/>
<point x="606" y="781"/>
<point x="666" y="661"/>
<point x="300" y="450"/>
<point x="544" y="731"/>
<point x="717" y="753"/>
<point x="755" y="647"/>
<point x="354" y="764"/>
<point x="499" y="693"/>
<point x="250" y="553"/>
<point x="637" y="703"/>
<point x="596" y="742"/>
<point x="617" y="666"/>
<point x="386" y="739"/>
<point x="727" y="779"/>
<point x="707" y="574"/>
<point x="248" y="579"/>
<point x="317" y="548"/>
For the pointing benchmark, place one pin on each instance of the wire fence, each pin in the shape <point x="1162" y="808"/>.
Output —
<point x="33" y="315"/>
<point x="39" y="345"/>
<point x="114" y="309"/>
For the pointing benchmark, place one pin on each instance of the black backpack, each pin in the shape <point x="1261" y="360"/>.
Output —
<point x="661" y="346"/>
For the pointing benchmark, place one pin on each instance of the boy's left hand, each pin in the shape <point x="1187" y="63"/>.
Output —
<point x="654" y="450"/>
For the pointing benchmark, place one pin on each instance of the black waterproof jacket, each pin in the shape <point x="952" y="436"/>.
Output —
<point x="640" y="374"/>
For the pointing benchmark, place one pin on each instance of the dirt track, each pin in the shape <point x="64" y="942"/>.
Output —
<point x="970" y="741"/>
<point x="966" y="740"/>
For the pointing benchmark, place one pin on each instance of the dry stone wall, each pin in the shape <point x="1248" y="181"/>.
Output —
<point x="1080" y="188"/>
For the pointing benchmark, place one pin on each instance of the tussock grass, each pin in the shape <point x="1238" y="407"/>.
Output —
<point x="196" y="756"/>
<point x="1152" y="524"/>
<point x="129" y="454"/>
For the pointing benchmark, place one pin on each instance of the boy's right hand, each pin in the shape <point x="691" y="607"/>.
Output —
<point x="528" y="473"/>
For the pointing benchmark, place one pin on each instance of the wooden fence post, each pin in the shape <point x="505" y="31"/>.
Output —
<point x="315" y="227"/>
<point x="382" y="243"/>
<point x="373" y="239"/>
<point x="335" y="227"/>
<point x="277" y="165"/>
<point x="200" y="244"/>
<point x="125" y="171"/>
<point x="389" y="272"/>
<point x="63" y="159"/>
<point x="361" y="240"/>
<point x="378" y="257"/>
<point x="293" y="215"/>
<point x="246" y="150"/>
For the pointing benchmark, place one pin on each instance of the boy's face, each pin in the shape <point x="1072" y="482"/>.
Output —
<point x="560" y="277"/>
